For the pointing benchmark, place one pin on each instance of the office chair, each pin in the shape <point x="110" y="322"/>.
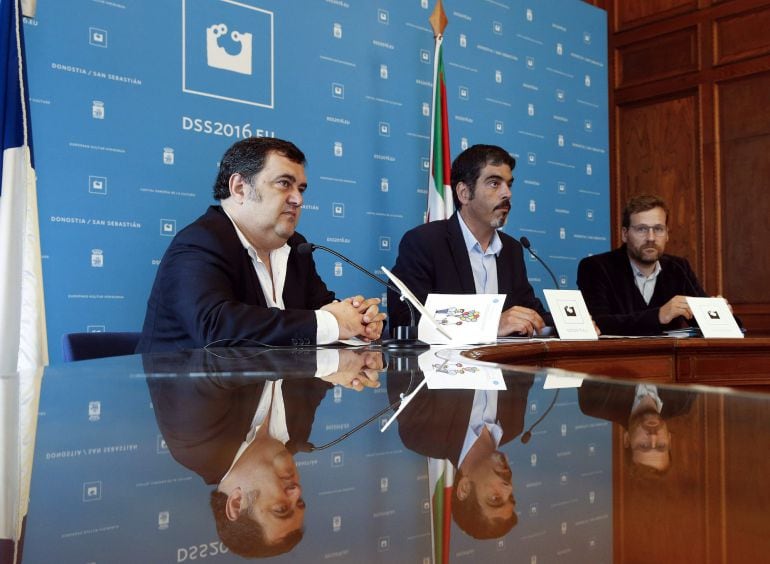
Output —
<point x="84" y="346"/>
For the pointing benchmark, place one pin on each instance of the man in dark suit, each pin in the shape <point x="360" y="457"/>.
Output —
<point x="239" y="431"/>
<point x="636" y="289"/>
<point x="234" y="275"/>
<point x="466" y="254"/>
<point x="467" y="428"/>
<point x="643" y="411"/>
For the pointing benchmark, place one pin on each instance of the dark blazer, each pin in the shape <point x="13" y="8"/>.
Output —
<point x="617" y="305"/>
<point x="433" y="258"/>
<point x="613" y="402"/>
<point x="204" y="420"/>
<point x="435" y="422"/>
<point x="206" y="289"/>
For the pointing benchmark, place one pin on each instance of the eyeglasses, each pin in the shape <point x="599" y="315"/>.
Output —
<point x="642" y="229"/>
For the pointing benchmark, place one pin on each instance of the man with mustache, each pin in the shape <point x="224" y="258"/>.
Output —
<point x="234" y="276"/>
<point x="644" y="412"/>
<point x="469" y="428"/>
<point x="636" y="289"/>
<point x="466" y="254"/>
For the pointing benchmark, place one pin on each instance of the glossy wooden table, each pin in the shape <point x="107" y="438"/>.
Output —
<point x="723" y="362"/>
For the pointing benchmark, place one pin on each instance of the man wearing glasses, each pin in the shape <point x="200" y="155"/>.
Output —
<point x="636" y="289"/>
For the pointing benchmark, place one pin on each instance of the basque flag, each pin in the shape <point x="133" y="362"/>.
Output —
<point x="22" y="311"/>
<point x="440" y="203"/>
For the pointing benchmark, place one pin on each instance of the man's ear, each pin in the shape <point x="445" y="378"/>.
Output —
<point x="233" y="505"/>
<point x="624" y="234"/>
<point x="463" y="488"/>
<point x="626" y="439"/>
<point x="463" y="192"/>
<point x="238" y="187"/>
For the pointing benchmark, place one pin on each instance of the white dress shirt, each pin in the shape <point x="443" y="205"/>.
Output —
<point x="483" y="263"/>
<point x="328" y="329"/>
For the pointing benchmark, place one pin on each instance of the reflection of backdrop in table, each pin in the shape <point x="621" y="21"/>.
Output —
<point x="103" y="478"/>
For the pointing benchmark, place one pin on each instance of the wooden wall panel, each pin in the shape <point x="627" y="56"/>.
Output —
<point x="741" y="36"/>
<point x="744" y="134"/>
<point x="629" y="14"/>
<point x="660" y="57"/>
<point x="658" y="153"/>
<point x="690" y="121"/>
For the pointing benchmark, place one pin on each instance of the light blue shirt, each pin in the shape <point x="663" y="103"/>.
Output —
<point x="483" y="414"/>
<point x="483" y="263"/>
<point x="646" y="284"/>
<point x="645" y="390"/>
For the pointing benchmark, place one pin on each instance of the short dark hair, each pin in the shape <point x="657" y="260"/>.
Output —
<point x="643" y="203"/>
<point x="466" y="168"/>
<point x="467" y="514"/>
<point x="244" y="536"/>
<point x="247" y="157"/>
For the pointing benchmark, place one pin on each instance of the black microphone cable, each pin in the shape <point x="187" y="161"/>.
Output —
<point x="525" y="437"/>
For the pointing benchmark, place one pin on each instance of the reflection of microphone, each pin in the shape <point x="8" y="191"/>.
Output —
<point x="526" y="244"/>
<point x="405" y="337"/>
<point x="528" y="434"/>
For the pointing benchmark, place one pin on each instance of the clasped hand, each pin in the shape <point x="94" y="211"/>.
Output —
<point x="357" y="370"/>
<point x="358" y="317"/>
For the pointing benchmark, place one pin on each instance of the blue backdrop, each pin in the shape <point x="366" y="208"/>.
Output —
<point x="133" y="103"/>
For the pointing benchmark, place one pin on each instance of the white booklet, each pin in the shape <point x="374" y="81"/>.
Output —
<point x="714" y="318"/>
<point x="468" y="319"/>
<point x="570" y="314"/>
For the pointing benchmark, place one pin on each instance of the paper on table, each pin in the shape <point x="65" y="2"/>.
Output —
<point x="570" y="314"/>
<point x="714" y="318"/>
<point x="467" y="318"/>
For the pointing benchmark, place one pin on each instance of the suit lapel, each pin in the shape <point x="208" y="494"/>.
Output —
<point x="460" y="255"/>
<point x="505" y="267"/>
<point x="633" y="293"/>
<point x="251" y="290"/>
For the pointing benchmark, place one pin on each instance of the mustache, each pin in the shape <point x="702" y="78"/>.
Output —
<point x="506" y="205"/>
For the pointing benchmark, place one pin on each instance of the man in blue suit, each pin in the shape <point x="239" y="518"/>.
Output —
<point x="234" y="277"/>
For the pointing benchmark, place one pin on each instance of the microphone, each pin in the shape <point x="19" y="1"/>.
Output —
<point x="528" y="434"/>
<point x="405" y="337"/>
<point x="526" y="244"/>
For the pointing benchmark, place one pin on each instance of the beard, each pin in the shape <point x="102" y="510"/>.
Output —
<point x="637" y="253"/>
<point x="499" y="222"/>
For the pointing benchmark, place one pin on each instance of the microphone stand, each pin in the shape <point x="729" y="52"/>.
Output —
<point x="526" y="244"/>
<point x="404" y="337"/>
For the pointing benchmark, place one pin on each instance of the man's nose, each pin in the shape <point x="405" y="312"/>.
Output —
<point x="295" y="197"/>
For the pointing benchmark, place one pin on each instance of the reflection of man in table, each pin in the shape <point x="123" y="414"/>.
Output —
<point x="643" y="411"/>
<point x="236" y="432"/>
<point x="467" y="428"/>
